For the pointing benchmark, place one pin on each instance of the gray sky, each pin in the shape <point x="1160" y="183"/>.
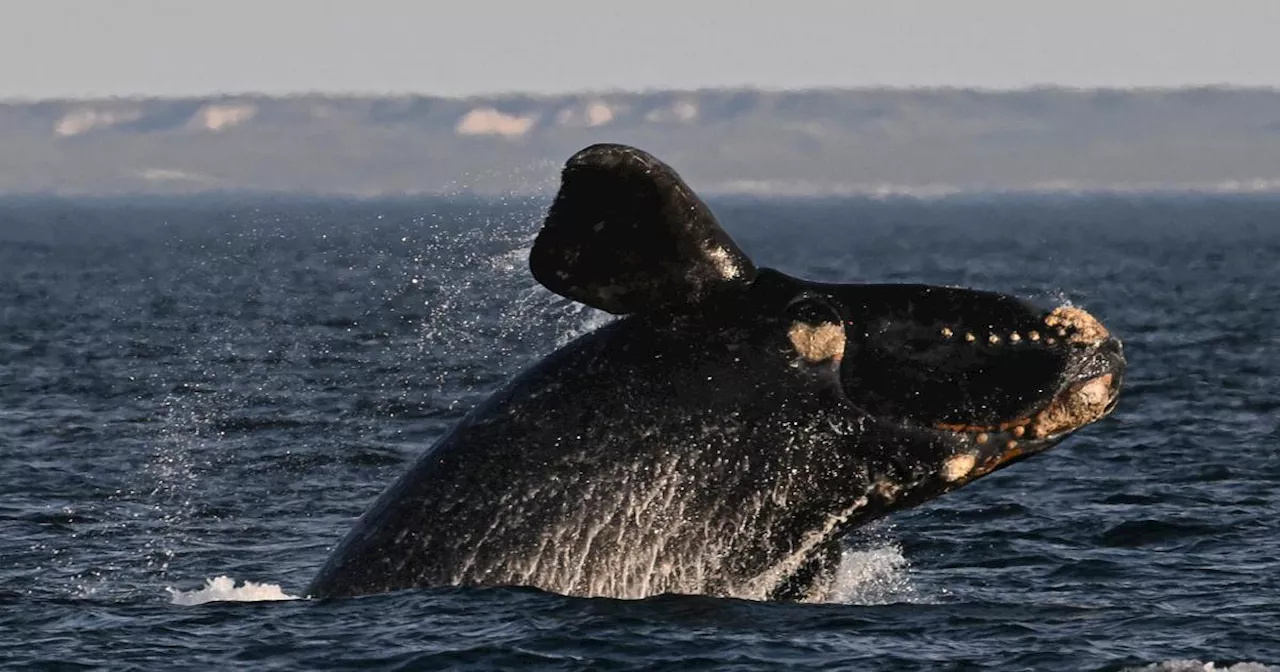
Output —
<point x="58" y="48"/>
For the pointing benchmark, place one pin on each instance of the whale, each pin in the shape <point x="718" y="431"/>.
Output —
<point x="725" y="433"/>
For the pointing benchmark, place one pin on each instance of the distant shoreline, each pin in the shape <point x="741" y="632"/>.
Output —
<point x="810" y="142"/>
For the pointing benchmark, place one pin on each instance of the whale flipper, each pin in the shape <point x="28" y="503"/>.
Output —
<point x="627" y="235"/>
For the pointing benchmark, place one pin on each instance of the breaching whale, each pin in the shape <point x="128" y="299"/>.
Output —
<point x="722" y="435"/>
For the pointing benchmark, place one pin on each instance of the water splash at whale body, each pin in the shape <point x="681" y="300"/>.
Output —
<point x="224" y="589"/>
<point x="518" y="322"/>
<point x="656" y="526"/>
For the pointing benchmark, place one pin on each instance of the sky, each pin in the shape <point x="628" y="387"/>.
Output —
<point x="90" y="48"/>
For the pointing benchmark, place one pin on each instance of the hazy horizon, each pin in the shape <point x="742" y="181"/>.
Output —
<point x="61" y="49"/>
<point x="487" y="95"/>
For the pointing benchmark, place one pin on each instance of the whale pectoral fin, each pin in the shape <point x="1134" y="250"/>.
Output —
<point x="625" y="234"/>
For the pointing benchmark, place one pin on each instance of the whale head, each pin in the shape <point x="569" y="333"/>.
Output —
<point x="981" y="379"/>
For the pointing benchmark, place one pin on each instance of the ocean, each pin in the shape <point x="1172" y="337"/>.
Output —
<point x="198" y="396"/>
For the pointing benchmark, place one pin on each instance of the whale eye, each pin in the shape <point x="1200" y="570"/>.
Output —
<point x="815" y="329"/>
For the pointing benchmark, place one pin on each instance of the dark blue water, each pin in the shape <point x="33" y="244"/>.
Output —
<point x="197" y="389"/>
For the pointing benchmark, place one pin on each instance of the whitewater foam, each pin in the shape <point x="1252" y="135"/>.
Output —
<point x="877" y="575"/>
<point x="1198" y="666"/>
<point x="224" y="589"/>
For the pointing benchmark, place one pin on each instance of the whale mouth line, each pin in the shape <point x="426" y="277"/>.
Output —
<point x="1076" y="405"/>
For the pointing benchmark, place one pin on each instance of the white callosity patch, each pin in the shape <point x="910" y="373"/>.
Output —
<point x="958" y="466"/>
<point x="817" y="342"/>
<point x="1083" y="328"/>
<point x="1078" y="406"/>
<point x="887" y="490"/>
<point x="224" y="589"/>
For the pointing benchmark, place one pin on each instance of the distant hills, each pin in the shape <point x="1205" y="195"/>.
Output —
<point x="739" y="141"/>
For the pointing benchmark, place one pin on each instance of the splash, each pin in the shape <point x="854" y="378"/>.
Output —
<point x="576" y="319"/>
<point x="876" y="575"/>
<point x="516" y="323"/>
<point x="1198" y="666"/>
<point x="224" y="589"/>
<point x="653" y="526"/>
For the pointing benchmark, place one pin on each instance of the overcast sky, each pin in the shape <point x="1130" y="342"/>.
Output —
<point x="60" y="48"/>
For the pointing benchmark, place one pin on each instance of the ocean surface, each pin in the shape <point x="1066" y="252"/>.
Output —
<point x="197" y="398"/>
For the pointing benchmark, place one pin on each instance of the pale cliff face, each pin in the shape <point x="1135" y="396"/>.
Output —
<point x="488" y="121"/>
<point x="592" y="114"/>
<point x="87" y="119"/>
<point x="221" y="116"/>
<point x="210" y="117"/>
